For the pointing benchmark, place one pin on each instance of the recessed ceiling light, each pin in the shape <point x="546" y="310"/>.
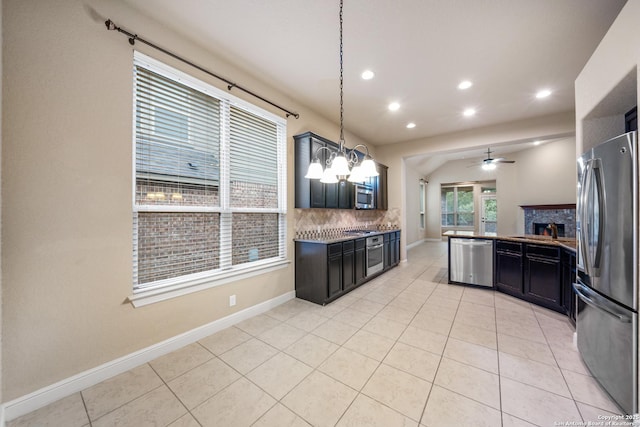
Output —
<point x="543" y="93"/>
<point x="537" y="142"/>
<point x="465" y="84"/>
<point x="469" y="112"/>
<point x="394" y="106"/>
<point x="367" y="74"/>
<point x="411" y="125"/>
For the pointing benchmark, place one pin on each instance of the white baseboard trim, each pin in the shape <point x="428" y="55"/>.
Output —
<point x="416" y="243"/>
<point x="43" y="397"/>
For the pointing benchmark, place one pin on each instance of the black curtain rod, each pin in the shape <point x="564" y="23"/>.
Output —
<point x="230" y="85"/>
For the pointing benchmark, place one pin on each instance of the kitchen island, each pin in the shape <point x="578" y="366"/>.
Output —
<point x="537" y="269"/>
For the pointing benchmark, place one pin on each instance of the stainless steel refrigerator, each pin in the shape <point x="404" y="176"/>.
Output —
<point x="607" y="279"/>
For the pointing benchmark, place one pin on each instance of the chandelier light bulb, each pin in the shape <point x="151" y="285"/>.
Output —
<point x="369" y="168"/>
<point x="340" y="166"/>
<point x="356" y="174"/>
<point x="329" y="177"/>
<point x="315" y="170"/>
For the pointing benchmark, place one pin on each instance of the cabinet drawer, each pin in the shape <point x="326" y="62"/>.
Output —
<point x="503" y="245"/>
<point x="335" y="249"/>
<point x="348" y="245"/>
<point x="543" y="251"/>
<point x="360" y="243"/>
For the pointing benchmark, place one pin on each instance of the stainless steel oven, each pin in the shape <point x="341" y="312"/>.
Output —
<point x="363" y="197"/>
<point x="375" y="254"/>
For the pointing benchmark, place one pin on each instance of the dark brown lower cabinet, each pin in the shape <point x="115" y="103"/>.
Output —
<point x="536" y="273"/>
<point x="386" y="251"/>
<point x="325" y="271"/>
<point x="391" y="254"/>
<point x="543" y="276"/>
<point x="334" y="266"/>
<point x="508" y="269"/>
<point x="568" y="278"/>
<point x="360" y="262"/>
<point x="348" y="265"/>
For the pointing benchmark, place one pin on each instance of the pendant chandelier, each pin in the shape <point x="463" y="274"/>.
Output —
<point x="344" y="162"/>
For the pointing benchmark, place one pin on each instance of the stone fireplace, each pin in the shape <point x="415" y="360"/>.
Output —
<point x="538" y="217"/>
<point x="543" y="229"/>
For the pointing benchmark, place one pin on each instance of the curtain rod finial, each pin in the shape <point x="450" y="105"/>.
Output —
<point x="110" y="24"/>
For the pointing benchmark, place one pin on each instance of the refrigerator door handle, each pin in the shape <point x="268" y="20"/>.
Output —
<point x="595" y="300"/>
<point x="596" y="172"/>
<point x="584" y="207"/>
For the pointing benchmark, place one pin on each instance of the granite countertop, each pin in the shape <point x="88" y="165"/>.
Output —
<point x="335" y="237"/>
<point x="565" y="242"/>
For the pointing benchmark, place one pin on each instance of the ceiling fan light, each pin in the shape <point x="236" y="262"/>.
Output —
<point x="369" y="168"/>
<point x="315" y="170"/>
<point x="488" y="166"/>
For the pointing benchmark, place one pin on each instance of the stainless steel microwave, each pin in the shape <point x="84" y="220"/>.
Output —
<point x="363" y="197"/>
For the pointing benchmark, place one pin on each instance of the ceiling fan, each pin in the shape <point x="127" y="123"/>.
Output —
<point x="490" y="163"/>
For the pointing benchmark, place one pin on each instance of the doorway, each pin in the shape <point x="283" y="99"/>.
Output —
<point x="488" y="215"/>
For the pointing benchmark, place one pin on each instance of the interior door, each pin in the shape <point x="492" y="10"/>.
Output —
<point x="489" y="215"/>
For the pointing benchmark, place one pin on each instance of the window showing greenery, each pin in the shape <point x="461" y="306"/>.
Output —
<point x="457" y="206"/>
<point x="490" y="214"/>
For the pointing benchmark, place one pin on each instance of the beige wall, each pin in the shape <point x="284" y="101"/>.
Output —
<point x="543" y="174"/>
<point x="412" y="232"/>
<point x="607" y="86"/>
<point x="66" y="187"/>
<point x="393" y="155"/>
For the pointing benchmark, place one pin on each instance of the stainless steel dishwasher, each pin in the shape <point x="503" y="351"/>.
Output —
<point x="471" y="261"/>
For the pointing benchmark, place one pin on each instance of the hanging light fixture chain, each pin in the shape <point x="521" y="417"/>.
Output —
<point x="344" y="162"/>
<point x="341" y="85"/>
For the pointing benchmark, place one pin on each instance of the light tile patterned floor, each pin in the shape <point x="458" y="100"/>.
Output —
<point x="405" y="349"/>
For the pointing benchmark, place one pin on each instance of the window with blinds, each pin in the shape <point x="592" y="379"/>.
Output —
<point x="210" y="187"/>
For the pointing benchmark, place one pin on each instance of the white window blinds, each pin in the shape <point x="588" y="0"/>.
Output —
<point x="209" y="177"/>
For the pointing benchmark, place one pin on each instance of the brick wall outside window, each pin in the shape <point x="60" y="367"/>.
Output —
<point x="192" y="239"/>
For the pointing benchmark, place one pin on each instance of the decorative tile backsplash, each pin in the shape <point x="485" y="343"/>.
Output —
<point x="312" y="222"/>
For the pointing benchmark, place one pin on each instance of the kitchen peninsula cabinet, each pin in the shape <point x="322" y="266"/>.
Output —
<point x="568" y="278"/>
<point x="542" y="276"/>
<point x="508" y="268"/>
<point x="538" y="273"/>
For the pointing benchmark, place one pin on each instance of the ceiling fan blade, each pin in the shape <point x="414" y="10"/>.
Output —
<point x="503" y="161"/>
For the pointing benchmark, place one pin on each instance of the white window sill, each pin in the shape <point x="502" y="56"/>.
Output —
<point x="150" y="296"/>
